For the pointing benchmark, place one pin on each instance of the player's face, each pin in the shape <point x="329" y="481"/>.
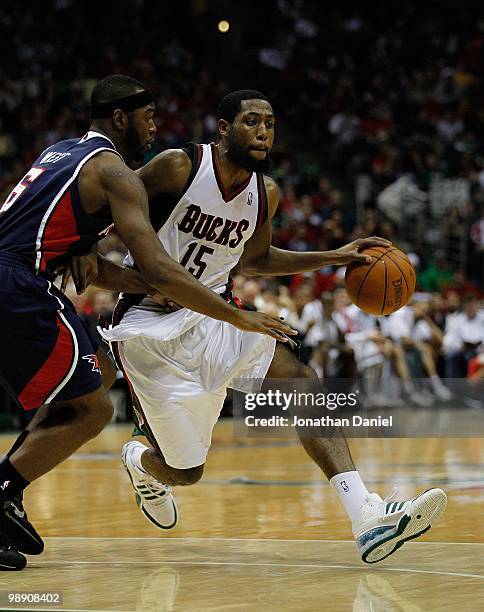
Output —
<point x="141" y="131"/>
<point x="251" y="136"/>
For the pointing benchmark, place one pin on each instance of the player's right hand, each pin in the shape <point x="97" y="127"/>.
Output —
<point x="83" y="269"/>
<point x="262" y="323"/>
<point x="351" y="252"/>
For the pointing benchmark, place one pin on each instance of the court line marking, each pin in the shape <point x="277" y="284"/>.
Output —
<point x="249" y="482"/>
<point x="220" y="539"/>
<point x="247" y="564"/>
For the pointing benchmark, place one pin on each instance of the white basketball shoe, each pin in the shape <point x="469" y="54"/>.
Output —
<point x="382" y="526"/>
<point x="154" y="498"/>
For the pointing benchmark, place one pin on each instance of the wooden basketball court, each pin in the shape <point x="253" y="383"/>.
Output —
<point x="262" y="530"/>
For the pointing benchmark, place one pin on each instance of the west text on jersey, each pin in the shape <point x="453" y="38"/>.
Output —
<point x="52" y="157"/>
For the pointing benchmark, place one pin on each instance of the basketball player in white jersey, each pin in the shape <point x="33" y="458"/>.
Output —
<point x="180" y="364"/>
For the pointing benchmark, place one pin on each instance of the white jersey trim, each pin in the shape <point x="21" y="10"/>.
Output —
<point x="75" y="359"/>
<point x="95" y="134"/>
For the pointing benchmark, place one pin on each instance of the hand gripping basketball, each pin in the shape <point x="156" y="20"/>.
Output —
<point x="385" y="284"/>
<point x="352" y="251"/>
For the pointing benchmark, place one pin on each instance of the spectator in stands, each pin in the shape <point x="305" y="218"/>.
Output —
<point x="373" y="351"/>
<point x="463" y="337"/>
<point x="415" y="331"/>
<point x="292" y="309"/>
<point x="475" y="368"/>
<point x="324" y="344"/>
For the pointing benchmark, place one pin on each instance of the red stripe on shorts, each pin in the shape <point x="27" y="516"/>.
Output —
<point x="137" y="408"/>
<point x="52" y="372"/>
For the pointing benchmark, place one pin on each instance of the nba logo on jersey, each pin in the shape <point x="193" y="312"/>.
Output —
<point x="345" y="486"/>
<point x="250" y="197"/>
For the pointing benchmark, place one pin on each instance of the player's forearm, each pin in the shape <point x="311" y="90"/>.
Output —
<point x="180" y="286"/>
<point x="279" y="262"/>
<point x="117" y="278"/>
<point x="177" y="284"/>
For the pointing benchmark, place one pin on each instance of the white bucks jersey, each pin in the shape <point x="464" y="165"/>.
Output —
<point x="209" y="226"/>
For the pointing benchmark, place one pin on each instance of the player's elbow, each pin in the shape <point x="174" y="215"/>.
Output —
<point x="250" y="271"/>
<point x="156" y="276"/>
<point x="167" y="279"/>
<point x="160" y="282"/>
<point x="250" y="268"/>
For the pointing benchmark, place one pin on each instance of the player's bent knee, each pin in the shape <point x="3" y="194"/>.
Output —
<point x="98" y="420"/>
<point x="96" y="410"/>
<point x="107" y="412"/>
<point x="307" y="372"/>
<point x="189" y="476"/>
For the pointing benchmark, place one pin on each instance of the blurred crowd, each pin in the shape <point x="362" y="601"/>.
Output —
<point x="380" y="120"/>
<point x="436" y="336"/>
<point x="412" y="355"/>
<point x="380" y="131"/>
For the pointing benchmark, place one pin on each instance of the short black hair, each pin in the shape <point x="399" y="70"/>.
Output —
<point x="114" y="87"/>
<point x="229" y="105"/>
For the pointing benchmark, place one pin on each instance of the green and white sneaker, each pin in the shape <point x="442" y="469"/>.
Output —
<point x="154" y="498"/>
<point x="382" y="526"/>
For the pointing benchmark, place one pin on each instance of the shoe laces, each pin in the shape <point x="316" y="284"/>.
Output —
<point x="156" y="487"/>
<point x="374" y="498"/>
<point x="18" y="501"/>
<point x="5" y="544"/>
<point x="391" y="495"/>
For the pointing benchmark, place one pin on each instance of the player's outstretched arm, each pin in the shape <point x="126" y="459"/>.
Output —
<point x="128" y="201"/>
<point x="94" y="269"/>
<point x="260" y="258"/>
<point x="112" y="277"/>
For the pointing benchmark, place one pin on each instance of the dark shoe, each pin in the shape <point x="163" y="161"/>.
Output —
<point x="11" y="560"/>
<point x="17" y="529"/>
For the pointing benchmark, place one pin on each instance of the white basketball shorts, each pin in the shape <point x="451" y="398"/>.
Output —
<point x="181" y="383"/>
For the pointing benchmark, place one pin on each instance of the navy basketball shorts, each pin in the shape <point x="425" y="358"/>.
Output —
<point x="47" y="353"/>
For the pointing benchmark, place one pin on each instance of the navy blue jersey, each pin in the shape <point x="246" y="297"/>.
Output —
<point x="42" y="220"/>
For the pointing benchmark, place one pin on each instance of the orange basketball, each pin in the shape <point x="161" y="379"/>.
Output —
<point x="384" y="285"/>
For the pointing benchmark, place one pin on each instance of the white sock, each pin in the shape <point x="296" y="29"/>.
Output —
<point x="351" y="491"/>
<point x="436" y="382"/>
<point x="136" y="458"/>
<point x="408" y="386"/>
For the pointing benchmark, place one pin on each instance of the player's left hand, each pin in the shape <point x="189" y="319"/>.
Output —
<point x="83" y="269"/>
<point x="166" y="304"/>
<point x="351" y="252"/>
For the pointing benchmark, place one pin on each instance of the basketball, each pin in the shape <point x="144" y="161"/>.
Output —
<point x="384" y="285"/>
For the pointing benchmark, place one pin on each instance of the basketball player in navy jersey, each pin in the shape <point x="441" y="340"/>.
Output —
<point x="222" y="206"/>
<point x="74" y="191"/>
